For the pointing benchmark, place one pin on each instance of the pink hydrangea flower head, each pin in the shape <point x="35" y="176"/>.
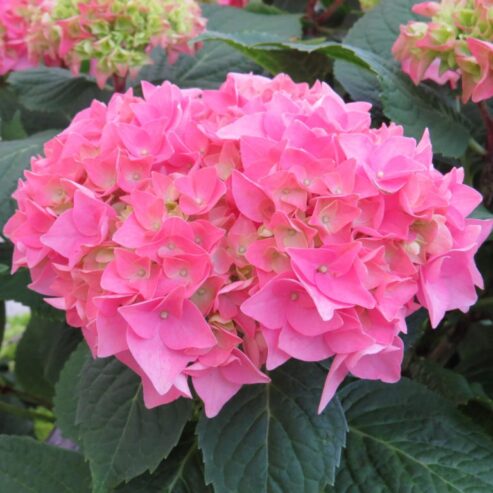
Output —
<point x="202" y="236"/>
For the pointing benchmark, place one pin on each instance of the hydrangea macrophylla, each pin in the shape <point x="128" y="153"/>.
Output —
<point x="200" y="235"/>
<point x="17" y="18"/>
<point x="457" y="44"/>
<point x="115" y="37"/>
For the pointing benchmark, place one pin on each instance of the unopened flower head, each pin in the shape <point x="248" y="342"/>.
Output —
<point x="367" y="5"/>
<point x="456" y="44"/>
<point x="202" y="236"/>
<point x="114" y="37"/>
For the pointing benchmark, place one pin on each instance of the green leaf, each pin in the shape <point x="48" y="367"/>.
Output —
<point x="403" y="437"/>
<point x="269" y="438"/>
<point x="181" y="472"/>
<point x="51" y="89"/>
<point x="120" y="437"/>
<point x="28" y="466"/>
<point x="376" y="32"/>
<point x="448" y="383"/>
<point x="475" y="352"/>
<point x="209" y="67"/>
<point x="13" y="424"/>
<point x="66" y="392"/>
<point x="45" y="346"/>
<point x="415" y="328"/>
<point x="15" y="157"/>
<point x="14" y="287"/>
<point x="414" y="107"/>
<point x="13" y="129"/>
<point x="481" y="212"/>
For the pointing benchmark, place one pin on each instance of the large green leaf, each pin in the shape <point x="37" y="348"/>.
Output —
<point x="405" y="438"/>
<point x="27" y="466"/>
<point x="120" y="437"/>
<point x="181" y="472"/>
<point x="415" y="107"/>
<point x="66" y="392"/>
<point x="42" y="351"/>
<point x="209" y="67"/>
<point x="15" y="157"/>
<point x="269" y="438"/>
<point x="449" y="383"/>
<point x="51" y="89"/>
<point x="376" y="31"/>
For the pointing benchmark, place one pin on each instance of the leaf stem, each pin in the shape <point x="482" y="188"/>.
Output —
<point x="5" y="388"/>
<point x="475" y="146"/>
<point x="119" y="83"/>
<point x="329" y="12"/>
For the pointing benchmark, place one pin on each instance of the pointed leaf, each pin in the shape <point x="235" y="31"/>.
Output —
<point x="120" y="437"/>
<point x="269" y="438"/>
<point x="403" y="437"/>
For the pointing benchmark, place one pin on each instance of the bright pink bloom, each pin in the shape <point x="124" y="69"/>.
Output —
<point x="200" y="235"/>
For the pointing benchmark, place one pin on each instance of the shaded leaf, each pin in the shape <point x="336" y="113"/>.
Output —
<point x="181" y="472"/>
<point x="28" y="466"/>
<point x="42" y="351"/>
<point x="15" y="157"/>
<point x="66" y="392"/>
<point x="51" y="89"/>
<point x="122" y="439"/>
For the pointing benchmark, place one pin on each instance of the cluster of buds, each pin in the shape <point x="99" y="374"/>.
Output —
<point x="199" y="236"/>
<point x="367" y="5"/>
<point x="457" y="44"/>
<point x="112" y="37"/>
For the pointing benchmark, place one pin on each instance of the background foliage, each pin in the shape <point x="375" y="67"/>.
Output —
<point x="71" y="424"/>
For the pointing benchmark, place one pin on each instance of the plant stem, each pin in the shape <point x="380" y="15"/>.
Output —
<point x="24" y="413"/>
<point x="119" y="83"/>
<point x="329" y="12"/>
<point x="475" y="146"/>
<point x="24" y="396"/>
<point x="486" y="181"/>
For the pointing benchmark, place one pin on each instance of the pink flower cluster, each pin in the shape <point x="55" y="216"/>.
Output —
<point x="15" y="29"/>
<point x="457" y="44"/>
<point x="113" y="37"/>
<point x="199" y="235"/>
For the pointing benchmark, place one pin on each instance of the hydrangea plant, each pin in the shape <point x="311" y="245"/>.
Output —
<point x="247" y="268"/>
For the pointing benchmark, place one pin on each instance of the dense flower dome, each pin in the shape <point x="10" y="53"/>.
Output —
<point x="114" y="37"/>
<point x="200" y="236"/>
<point x="456" y="44"/>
